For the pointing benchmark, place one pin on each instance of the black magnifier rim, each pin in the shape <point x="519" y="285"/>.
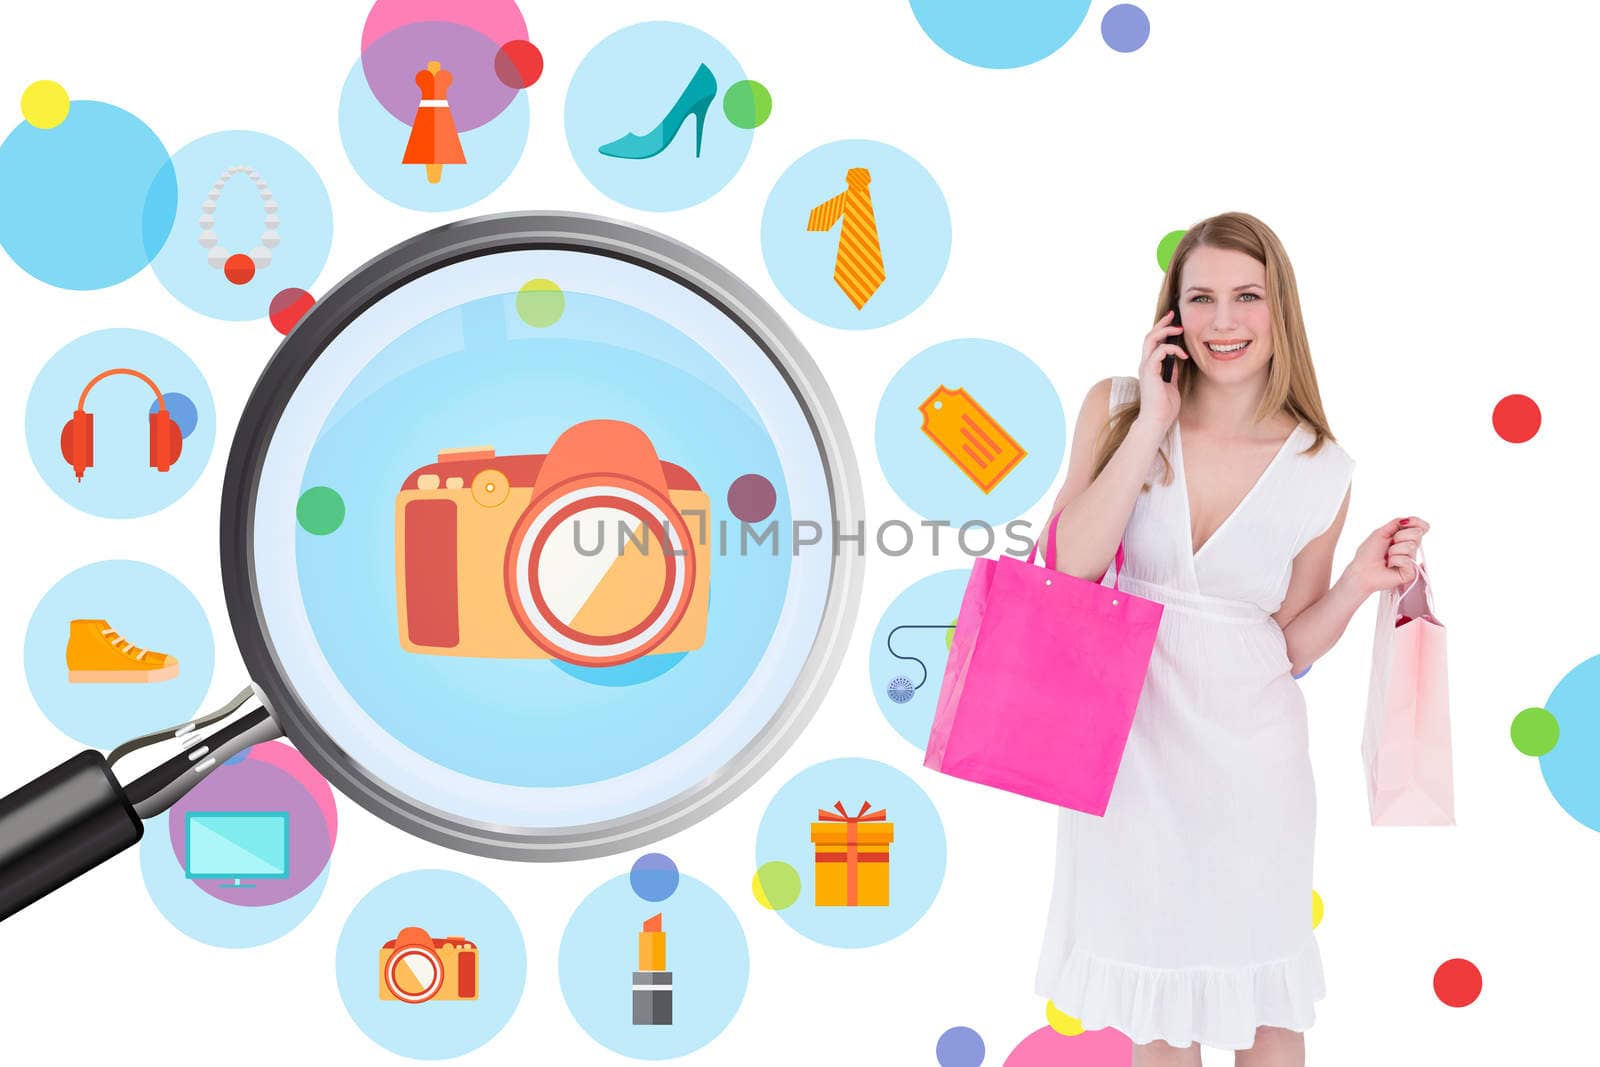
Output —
<point x="435" y="250"/>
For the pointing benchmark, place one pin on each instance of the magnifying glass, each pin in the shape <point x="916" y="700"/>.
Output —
<point x="529" y="544"/>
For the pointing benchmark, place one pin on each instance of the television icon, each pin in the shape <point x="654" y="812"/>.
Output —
<point x="236" y="845"/>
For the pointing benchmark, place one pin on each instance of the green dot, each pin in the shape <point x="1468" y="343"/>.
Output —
<point x="776" y="885"/>
<point x="540" y="303"/>
<point x="1534" y="731"/>
<point x="1168" y="245"/>
<point x="747" y="104"/>
<point x="320" y="511"/>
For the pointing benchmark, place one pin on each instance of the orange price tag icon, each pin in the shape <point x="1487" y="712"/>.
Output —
<point x="968" y="434"/>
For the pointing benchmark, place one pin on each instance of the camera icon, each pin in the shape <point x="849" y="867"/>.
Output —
<point x="594" y="554"/>
<point x="415" y="968"/>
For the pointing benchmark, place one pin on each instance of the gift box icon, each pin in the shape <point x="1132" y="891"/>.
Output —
<point x="852" y="857"/>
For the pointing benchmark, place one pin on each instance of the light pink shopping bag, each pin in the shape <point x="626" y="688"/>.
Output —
<point x="1043" y="678"/>
<point x="1406" y="743"/>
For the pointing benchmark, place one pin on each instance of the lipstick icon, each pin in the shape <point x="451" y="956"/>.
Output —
<point x="652" y="982"/>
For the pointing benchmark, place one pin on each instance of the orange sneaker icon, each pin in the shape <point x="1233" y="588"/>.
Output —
<point x="97" y="653"/>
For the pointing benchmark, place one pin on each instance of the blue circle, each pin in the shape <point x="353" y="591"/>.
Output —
<point x="654" y="877"/>
<point x="632" y="82"/>
<point x="305" y="228"/>
<point x="1569" y="767"/>
<point x="1125" y="28"/>
<point x="204" y="917"/>
<point x="1013" y="391"/>
<point x="959" y="1046"/>
<point x="375" y="141"/>
<point x="707" y="958"/>
<point x="909" y="213"/>
<point x="121" y="484"/>
<point x="182" y="410"/>
<point x="88" y="203"/>
<point x="622" y="675"/>
<point x="445" y="904"/>
<point x="1000" y="34"/>
<point x="933" y="601"/>
<point x="916" y="857"/>
<point x="142" y="604"/>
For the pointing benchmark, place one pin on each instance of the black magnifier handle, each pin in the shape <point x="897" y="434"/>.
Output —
<point x="80" y="814"/>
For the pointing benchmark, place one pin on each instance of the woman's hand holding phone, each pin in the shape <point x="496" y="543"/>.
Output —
<point x="1158" y="397"/>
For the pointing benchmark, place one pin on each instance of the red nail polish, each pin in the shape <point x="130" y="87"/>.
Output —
<point x="1404" y="521"/>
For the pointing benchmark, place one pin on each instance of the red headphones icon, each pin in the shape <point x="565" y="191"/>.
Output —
<point x="77" y="436"/>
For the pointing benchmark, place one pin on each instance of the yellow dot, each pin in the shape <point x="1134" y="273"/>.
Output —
<point x="1060" y="1021"/>
<point x="45" y="104"/>
<point x="1316" y="909"/>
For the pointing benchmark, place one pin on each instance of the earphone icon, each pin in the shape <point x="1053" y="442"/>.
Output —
<point x="901" y="689"/>
<point x="77" y="436"/>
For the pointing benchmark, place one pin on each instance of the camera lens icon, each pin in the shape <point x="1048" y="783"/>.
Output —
<point x="595" y="554"/>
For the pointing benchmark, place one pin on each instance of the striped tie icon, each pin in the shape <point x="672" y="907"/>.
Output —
<point x="858" y="266"/>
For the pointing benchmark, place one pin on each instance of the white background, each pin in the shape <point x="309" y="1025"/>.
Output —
<point x="1426" y="167"/>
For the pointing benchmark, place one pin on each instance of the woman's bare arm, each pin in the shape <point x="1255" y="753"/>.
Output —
<point x="1314" y="614"/>
<point x="1094" y="514"/>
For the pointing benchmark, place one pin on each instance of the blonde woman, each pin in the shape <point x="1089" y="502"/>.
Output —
<point x="1182" y="917"/>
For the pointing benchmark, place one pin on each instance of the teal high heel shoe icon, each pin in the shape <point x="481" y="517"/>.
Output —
<point x="695" y="100"/>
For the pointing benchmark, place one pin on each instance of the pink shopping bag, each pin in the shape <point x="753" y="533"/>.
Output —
<point x="1044" y="675"/>
<point x="1406" y="743"/>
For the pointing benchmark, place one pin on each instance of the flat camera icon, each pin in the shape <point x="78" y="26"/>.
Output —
<point x="593" y="554"/>
<point x="415" y="968"/>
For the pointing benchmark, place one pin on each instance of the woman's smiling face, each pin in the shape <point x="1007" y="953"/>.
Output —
<point x="1222" y="301"/>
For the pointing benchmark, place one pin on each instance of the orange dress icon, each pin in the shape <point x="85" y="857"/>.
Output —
<point x="434" y="140"/>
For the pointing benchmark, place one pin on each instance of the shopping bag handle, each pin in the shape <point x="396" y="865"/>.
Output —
<point x="1050" y="549"/>
<point x="1421" y="575"/>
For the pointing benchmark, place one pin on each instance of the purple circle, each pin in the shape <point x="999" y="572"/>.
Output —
<point x="654" y="877"/>
<point x="751" y="498"/>
<point x="476" y="93"/>
<point x="1125" y="28"/>
<point x="274" y="777"/>
<point x="959" y="1046"/>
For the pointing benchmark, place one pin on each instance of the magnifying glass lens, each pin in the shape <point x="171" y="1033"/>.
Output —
<point x="544" y="620"/>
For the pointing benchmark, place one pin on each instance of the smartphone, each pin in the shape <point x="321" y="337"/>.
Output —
<point x="1169" y="361"/>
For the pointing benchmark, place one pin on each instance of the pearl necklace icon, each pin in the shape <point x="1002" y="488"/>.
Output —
<point x="239" y="267"/>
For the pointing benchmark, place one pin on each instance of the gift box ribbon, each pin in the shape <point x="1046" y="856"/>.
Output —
<point x="852" y="854"/>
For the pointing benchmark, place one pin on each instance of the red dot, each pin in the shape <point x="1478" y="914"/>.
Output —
<point x="518" y="64"/>
<point x="1457" y="982"/>
<point x="287" y="307"/>
<point x="239" y="268"/>
<point x="1516" y="418"/>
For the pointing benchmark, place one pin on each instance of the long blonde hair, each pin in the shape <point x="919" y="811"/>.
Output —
<point x="1291" y="379"/>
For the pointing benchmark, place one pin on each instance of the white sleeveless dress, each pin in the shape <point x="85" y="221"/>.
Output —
<point x="1184" y="913"/>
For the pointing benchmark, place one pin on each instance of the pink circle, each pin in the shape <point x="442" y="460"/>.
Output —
<point x="401" y="37"/>
<point x="290" y="762"/>
<point x="271" y="777"/>
<point x="1092" y="1048"/>
<point x="498" y="20"/>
